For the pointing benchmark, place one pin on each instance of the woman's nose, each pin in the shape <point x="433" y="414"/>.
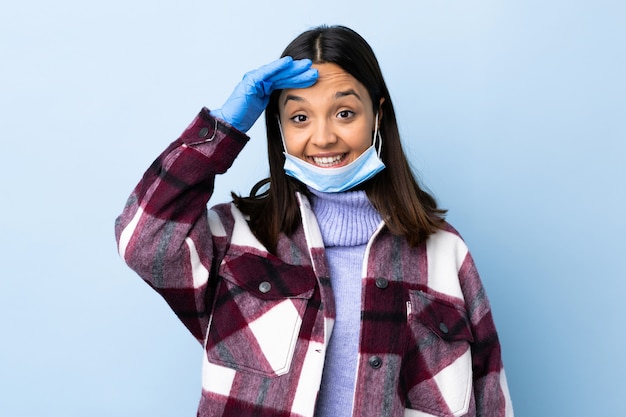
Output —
<point x="323" y="135"/>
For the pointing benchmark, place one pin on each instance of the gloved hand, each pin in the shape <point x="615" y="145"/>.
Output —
<point x="251" y="95"/>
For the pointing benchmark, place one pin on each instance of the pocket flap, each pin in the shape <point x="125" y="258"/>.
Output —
<point x="447" y="320"/>
<point x="269" y="278"/>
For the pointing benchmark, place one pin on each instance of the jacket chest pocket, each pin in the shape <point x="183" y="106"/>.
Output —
<point x="438" y="371"/>
<point x="257" y="313"/>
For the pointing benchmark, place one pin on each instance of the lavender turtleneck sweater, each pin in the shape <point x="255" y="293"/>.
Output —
<point x="347" y="221"/>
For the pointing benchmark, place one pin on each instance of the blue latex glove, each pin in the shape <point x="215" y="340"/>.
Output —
<point x="251" y="95"/>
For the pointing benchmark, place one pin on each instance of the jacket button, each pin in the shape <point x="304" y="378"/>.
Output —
<point x="375" y="362"/>
<point x="443" y="328"/>
<point x="265" y="287"/>
<point x="204" y="132"/>
<point x="382" y="283"/>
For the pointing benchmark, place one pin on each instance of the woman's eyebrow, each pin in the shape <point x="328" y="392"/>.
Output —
<point x="292" y="97"/>
<point x="349" y="92"/>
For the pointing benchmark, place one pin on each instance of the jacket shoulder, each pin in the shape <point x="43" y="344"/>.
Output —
<point x="447" y="255"/>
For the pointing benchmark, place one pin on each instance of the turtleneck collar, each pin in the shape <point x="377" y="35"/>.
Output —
<point x="345" y="219"/>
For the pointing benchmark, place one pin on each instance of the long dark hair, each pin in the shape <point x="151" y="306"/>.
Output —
<point x="407" y="209"/>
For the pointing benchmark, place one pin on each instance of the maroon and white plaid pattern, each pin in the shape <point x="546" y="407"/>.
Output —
<point x="428" y="343"/>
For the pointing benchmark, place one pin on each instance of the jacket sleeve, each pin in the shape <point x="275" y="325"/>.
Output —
<point x="491" y="391"/>
<point x="163" y="233"/>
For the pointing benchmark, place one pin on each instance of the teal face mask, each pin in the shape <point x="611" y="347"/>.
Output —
<point x="336" y="180"/>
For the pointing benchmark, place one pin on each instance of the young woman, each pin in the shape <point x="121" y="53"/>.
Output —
<point x="336" y="288"/>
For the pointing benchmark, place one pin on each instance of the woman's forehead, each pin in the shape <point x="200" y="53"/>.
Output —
<point x="333" y="83"/>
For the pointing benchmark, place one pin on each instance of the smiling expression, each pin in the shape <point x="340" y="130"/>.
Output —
<point x="330" y="123"/>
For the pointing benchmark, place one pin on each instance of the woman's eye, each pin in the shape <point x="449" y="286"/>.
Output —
<point x="300" y="118"/>
<point x="344" y="114"/>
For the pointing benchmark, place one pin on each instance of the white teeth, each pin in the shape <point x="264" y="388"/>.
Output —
<point x="327" y="161"/>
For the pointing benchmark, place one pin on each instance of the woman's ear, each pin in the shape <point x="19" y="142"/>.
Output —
<point x="380" y="109"/>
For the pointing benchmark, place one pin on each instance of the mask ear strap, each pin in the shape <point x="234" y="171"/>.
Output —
<point x="377" y="136"/>
<point x="282" y="138"/>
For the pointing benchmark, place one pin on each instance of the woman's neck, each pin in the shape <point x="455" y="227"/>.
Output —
<point x="345" y="219"/>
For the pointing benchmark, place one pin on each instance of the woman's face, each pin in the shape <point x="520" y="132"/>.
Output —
<point x="330" y="123"/>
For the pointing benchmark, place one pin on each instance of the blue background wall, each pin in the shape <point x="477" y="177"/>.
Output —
<point x="513" y="112"/>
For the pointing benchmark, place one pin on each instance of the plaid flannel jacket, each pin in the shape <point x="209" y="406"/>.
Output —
<point x="428" y="345"/>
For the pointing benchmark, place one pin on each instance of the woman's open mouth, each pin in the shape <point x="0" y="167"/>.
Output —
<point x="328" y="161"/>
